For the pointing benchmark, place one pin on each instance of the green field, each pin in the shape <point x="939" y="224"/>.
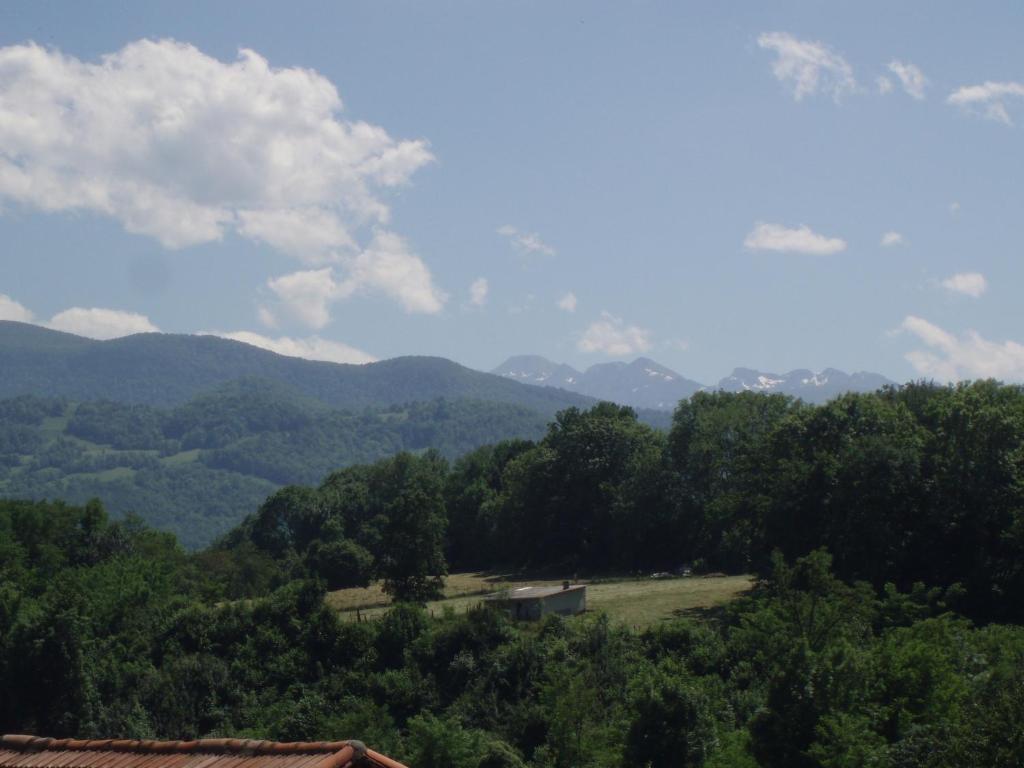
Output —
<point x="637" y="602"/>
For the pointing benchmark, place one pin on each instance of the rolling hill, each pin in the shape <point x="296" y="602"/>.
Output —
<point x="167" y="369"/>
<point x="193" y="432"/>
<point x="199" y="468"/>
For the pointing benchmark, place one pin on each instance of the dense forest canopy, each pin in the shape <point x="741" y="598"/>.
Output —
<point x="198" y="469"/>
<point x="918" y="485"/>
<point x="110" y="629"/>
<point x="887" y="531"/>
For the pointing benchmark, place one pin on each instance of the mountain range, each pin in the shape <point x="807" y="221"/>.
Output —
<point x="807" y="385"/>
<point x="164" y="370"/>
<point x="192" y="432"/>
<point x="641" y="384"/>
<point x="645" y="383"/>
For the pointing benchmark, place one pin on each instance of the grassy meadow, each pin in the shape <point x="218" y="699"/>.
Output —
<point x="638" y="602"/>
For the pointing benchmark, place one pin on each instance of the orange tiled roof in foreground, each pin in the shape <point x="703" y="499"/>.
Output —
<point x="36" y="752"/>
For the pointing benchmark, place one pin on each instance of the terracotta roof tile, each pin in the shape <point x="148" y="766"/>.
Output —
<point x="19" y="751"/>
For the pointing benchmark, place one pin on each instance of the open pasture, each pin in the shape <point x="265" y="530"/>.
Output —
<point x="638" y="602"/>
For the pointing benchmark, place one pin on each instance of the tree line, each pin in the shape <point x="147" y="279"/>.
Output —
<point x="916" y="485"/>
<point x="109" y="629"/>
<point x="884" y="629"/>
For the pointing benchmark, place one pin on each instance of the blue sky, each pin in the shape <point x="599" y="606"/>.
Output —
<point x="706" y="184"/>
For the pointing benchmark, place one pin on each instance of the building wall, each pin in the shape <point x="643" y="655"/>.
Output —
<point x="566" y="603"/>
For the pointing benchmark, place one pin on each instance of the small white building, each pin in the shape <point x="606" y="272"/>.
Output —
<point x="531" y="603"/>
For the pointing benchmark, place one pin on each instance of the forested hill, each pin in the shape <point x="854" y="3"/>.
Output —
<point x="167" y="370"/>
<point x="902" y="649"/>
<point x="199" y="468"/>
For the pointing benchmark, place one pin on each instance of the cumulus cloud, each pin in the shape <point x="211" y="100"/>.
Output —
<point x="613" y="337"/>
<point x="970" y="356"/>
<point x="387" y="266"/>
<point x="911" y="78"/>
<point x="310" y="348"/>
<point x="312" y="234"/>
<point x="92" y="322"/>
<point x="99" y="323"/>
<point x="884" y="84"/>
<point x="525" y="242"/>
<point x="988" y="99"/>
<point x="12" y="310"/>
<point x="776" y="237"/>
<point x="568" y="302"/>
<point x="971" y="284"/>
<point x="306" y="295"/>
<point x="889" y="239"/>
<point x="808" y="66"/>
<point x="478" y="292"/>
<point x="182" y="147"/>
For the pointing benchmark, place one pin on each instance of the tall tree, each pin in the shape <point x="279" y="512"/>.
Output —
<point x="409" y="492"/>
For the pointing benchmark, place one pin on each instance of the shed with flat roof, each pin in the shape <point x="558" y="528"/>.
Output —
<point x="531" y="603"/>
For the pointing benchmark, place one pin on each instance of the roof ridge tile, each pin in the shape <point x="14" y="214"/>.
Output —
<point x="195" y="753"/>
<point x="25" y="742"/>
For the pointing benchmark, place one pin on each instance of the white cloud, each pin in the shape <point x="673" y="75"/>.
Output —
<point x="313" y="235"/>
<point x="525" y="242"/>
<point x="478" y="292"/>
<point x="99" y="323"/>
<point x="884" y="84"/>
<point x="889" y="239"/>
<point x="386" y="266"/>
<point x="12" y="310"/>
<point x="988" y="99"/>
<point x="310" y="348"/>
<point x="307" y="294"/>
<point x="568" y="302"/>
<point x="808" y="66"/>
<point x="92" y="322"/>
<point x="971" y="284"/>
<point x="954" y="207"/>
<point x="612" y="336"/>
<point x="776" y="237"/>
<point x="911" y="78"/>
<point x="185" y="148"/>
<point x="949" y="358"/>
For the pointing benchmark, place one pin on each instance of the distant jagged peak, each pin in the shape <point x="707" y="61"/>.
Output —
<point x="642" y="383"/>
<point x="536" y="369"/>
<point x="802" y="382"/>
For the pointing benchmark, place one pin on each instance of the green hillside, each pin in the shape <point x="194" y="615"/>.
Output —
<point x="193" y="432"/>
<point x="167" y="370"/>
<point x="197" y="469"/>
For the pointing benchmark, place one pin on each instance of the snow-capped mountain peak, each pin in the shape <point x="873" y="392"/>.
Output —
<point x="808" y="385"/>
<point x="645" y="383"/>
<point x="642" y="383"/>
